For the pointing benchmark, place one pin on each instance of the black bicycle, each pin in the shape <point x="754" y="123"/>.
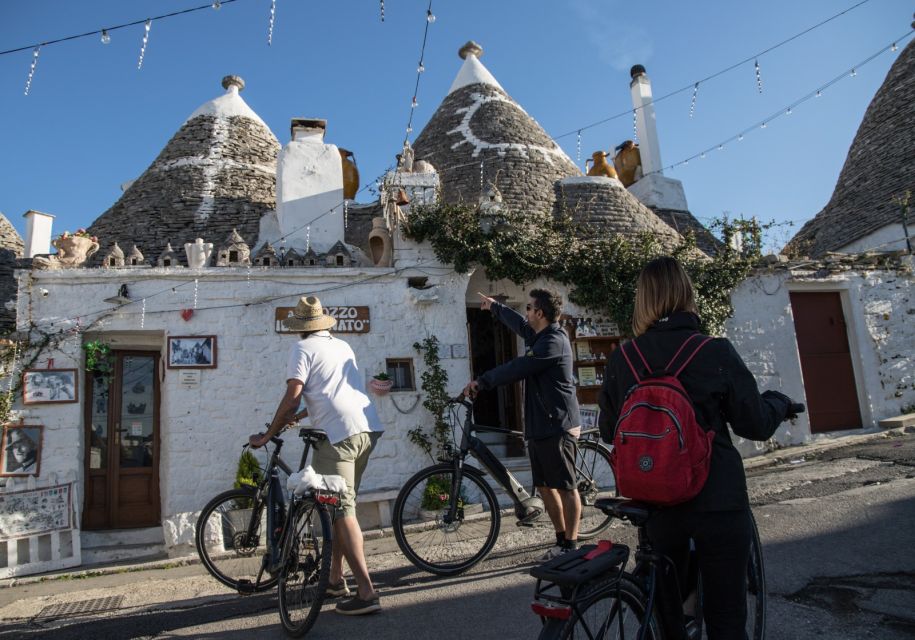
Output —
<point x="446" y="517"/>
<point x="250" y="540"/>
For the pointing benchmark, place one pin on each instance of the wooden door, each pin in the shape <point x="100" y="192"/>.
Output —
<point x="122" y="444"/>
<point x="822" y="342"/>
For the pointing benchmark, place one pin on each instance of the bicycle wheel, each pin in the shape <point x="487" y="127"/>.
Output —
<point x="306" y="568"/>
<point x="594" y="479"/>
<point x="616" y="611"/>
<point x="226" y="548"/>
<point x="420" y="517"/>
<point x="756" y="587"/>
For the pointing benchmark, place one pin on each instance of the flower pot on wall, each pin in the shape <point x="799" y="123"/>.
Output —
<point x="380" y="387"/>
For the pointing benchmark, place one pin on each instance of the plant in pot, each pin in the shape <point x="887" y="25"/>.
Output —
<point x="381" y="383"/>
<point x="248" y="474"/>
<point x="436" y="495"/>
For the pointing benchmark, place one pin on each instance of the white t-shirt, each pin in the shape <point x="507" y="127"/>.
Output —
<point x="334" y="389"/>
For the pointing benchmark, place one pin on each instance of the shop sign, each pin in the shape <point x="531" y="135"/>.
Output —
<point x="349" y="319"/>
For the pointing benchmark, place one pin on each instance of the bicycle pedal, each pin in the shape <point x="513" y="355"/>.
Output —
<point x="245" y="587"/>
<point x="522" y="523"/>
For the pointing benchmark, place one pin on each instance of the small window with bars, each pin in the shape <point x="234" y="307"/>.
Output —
<point x="400" y="370"/>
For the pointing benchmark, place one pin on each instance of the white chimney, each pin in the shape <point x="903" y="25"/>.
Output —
<point x="645" y="125"/>
<point x="37" y="232"/>
<point x="309" y="188"/>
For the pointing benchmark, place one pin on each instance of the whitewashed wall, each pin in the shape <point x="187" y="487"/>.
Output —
<point x="879" y="307"/>
<point x="203" y="429"/>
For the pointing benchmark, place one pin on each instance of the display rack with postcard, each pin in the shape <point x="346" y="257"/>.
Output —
<point x="593" y="338"/>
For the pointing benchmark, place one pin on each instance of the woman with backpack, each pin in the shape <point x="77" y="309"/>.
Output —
<point x="667" y="357"/>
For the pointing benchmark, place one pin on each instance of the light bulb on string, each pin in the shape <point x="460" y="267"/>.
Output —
<point x="414" y="104"/>
<point x="143" y="314"/>
<point x="146" y="29"/>
<point x="106" y="39"/>
<point x="720" y="147"/>
<point x="382" y="10"/>
<point x="819" y="93"/>
<point x="409" y="129"/>
<point x="430" y="17"/>
<point x="195" y="293"/>
<point x="345" y="214"/>
<point x="740" y="137"/>
<point x="788" y="111"/>
<point x="635" y="126"/>
<point x="758" y="76"/>
<point x="692" y="104"/>
<point x="216" y="4"/>
<point x="894" y="47"/>
<point x="578" y="148"/>
<point x="272" y="21"/>
<point x="763" y="125"/>
<point x="307" y="237"/>
<point x="28" y="82"/>
<point x="702" y="155"/>
<point x="853" y="73"/>
<point x="421" y="68"/>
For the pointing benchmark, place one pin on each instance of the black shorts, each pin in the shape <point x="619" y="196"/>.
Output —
<point x="553" y="461"/>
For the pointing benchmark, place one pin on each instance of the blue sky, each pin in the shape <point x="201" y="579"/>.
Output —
<point x="93" y="121"/>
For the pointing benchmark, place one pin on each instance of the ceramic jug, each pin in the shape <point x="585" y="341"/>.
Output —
<point x="198" y="253"/>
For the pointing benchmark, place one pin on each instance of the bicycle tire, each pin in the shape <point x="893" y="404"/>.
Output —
<point x="221" y="538"/>
<point x="422" y="534"/>
<point x="757" y="595"/>
<point x="600" y="614"/>
<point x="306" y="568"/>
<point x="594" y="479"/>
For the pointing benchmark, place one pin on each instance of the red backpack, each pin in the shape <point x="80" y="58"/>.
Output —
<point x="661" y="454"/>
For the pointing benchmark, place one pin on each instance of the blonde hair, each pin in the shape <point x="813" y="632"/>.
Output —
<point x="663" y="288"/>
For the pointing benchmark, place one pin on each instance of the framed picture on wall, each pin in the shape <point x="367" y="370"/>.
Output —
<point x="49" y="386"/>
<point x="20" y="454"/>
<point x="192" y="352"/>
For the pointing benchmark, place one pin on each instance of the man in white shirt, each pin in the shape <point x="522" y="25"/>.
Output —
<point x="322" y="370"/>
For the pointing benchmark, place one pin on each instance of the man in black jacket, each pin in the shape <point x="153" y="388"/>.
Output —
<point x="552" y="421"/>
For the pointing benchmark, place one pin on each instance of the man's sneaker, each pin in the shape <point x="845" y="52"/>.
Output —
<point x="356" y="606"/>
<point x="553" y="552"/>
<point x="337" y="590"/>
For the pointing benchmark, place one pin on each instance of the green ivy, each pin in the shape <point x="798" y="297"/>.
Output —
<point x="599" y="269"/>
<point x="98" y="358"/>
<point x="434" y="385"/>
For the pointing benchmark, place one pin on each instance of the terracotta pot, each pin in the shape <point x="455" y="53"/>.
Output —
<point x="350" y="174"/>
<point x="73" y="251"/>
<point x="380" y="387"/>
<point x="380" y="245"/>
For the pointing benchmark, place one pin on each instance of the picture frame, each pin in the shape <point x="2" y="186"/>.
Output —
<point x="589" y="414"/>
<point x="587" y="376"/>
<point x="583" y="350"/>
<point x="191" y="352"/>
<point x="50" y="386"/>
<point x="20" y="450"/>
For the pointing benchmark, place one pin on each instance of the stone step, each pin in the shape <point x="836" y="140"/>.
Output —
<point x="121" y="552"/>
<point x="905" y="420"/>
<point x="113" y="537"/>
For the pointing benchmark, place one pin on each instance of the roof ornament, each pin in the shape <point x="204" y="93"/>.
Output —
<point x="472" y="49"/>
<point x="135" y="258"/>
<point x="233" y="81"/>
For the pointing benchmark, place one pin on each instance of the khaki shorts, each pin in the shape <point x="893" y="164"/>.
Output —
<point x="347" y="458"/>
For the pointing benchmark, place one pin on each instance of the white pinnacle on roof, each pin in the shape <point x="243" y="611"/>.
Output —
<point x="229" y="104"/>
<point x="473" y="71"/>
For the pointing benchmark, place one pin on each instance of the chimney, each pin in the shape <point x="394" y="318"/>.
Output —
<point x="649" y="146"/>
<point x="309" y="188"/>
<point x="37" y="232"/>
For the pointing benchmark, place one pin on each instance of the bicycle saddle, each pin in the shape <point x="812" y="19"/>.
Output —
<point x="312" y="436"/>
<point x="635" y="512"/>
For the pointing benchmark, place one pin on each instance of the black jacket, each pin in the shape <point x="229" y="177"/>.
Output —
<point x="723" y="392"/>
<point x="550" y="403"/>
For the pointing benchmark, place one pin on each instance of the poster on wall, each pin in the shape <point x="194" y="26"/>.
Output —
<point x="49" y="386"/>
<point x="349" y="319"/>
<point x="20" y="453"/>
<point x="191" y="352"/>
<point x="36" y="511"/>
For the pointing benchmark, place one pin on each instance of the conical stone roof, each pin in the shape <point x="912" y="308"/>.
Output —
<point x="216" y="174"/>
<point x="11" y="243"/>
<point x="479" y="122"/>
<point x="11" y="249"/>
<point x="880" y="167"/>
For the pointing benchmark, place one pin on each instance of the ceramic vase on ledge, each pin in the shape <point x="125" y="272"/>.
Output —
<point x="380" y="387"/>
<point x="198" y="253"/>
<point x="73" y="251"/>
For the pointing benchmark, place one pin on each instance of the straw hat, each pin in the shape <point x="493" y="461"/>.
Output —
<point x="309" y="316"/>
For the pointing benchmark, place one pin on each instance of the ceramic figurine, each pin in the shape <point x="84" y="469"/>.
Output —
<point x="198" y="253"/>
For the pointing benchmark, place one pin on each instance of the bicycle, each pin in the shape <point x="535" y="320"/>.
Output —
<point x="290" y="547"/>
<point x="588" y="594"/>
<point x="446" y="518"/>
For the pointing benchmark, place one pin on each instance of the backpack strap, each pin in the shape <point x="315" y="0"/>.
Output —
<point x="629" y="362"/>
<point x="705" y="340"/>
<point x="679" y="351"/>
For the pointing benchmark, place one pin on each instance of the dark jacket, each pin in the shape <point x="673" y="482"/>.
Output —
<point x="723" y="392"/>
<point x="550" y="403"/>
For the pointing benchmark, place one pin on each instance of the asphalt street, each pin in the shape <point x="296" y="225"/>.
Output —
<point x="836" y="522"/>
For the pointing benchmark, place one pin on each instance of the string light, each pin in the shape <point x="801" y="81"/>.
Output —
<point x="420" y="69"/>
<point x="106" y="39"/>
<point x="143" y="314"/>
<point x="720" y="147"/>
<point x="28" y="82"/>
<point x="894" y="47"/>
<point x="758" y="76"/>
<point x="345" y="214"/>
<point x="854" y="73"/>
<point x="216" y="4"/>
<point x="763" y="125"/>
<point x="272" y="20"/>
<point x="430" y="17"/>
<point x="146" y="28"/>
<point x="740" y="137"/>
<point x="195" y="293"/>
<point x="819" y="93"/>
<point x="578" y="148"/>
<point x="692" y="104"/>
<point x="635" y="126"/>
<point x="382" y="10"/>
<point x="307" y="237"/>
<point x="481" y="176"/>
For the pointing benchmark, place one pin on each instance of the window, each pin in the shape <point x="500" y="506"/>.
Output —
<point x="233" y="256"/>
<point x="339" y="260"/>
<point x="400" y="371"/>
<point x="167" y="262"/>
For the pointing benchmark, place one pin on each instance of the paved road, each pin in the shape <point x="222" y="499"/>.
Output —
<point x="837" y="528"/>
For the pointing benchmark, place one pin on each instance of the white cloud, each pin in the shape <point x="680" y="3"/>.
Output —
<point x="616" y="43"/>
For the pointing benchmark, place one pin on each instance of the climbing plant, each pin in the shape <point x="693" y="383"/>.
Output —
<point x="599" y="269"/>
<point x="434" y="382"/>
<point x="98" y="358"/>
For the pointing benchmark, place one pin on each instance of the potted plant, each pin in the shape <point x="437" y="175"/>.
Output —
<point x="248" y="474"/>
<point x="381" y="383"/>
<point x="436" y="495"/>
<point x="74" y="249"/>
